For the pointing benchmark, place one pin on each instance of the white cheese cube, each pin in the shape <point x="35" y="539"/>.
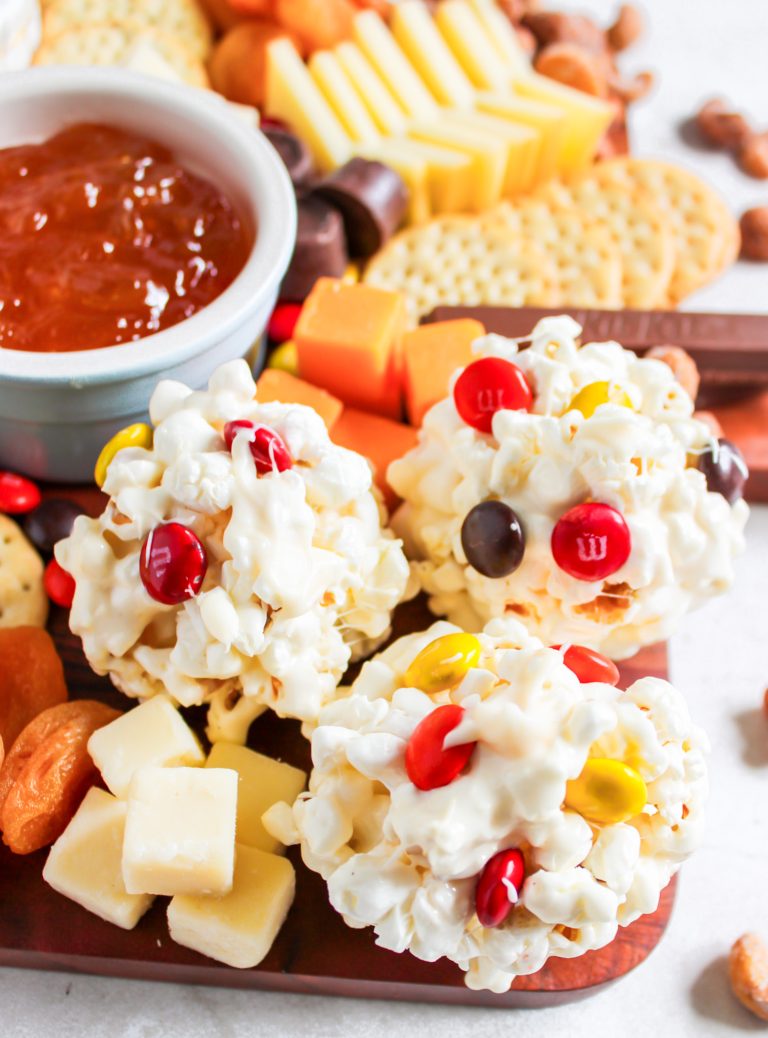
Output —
<point x="180" y="831"/>
<point x="240" y="927"/>
<point x="262" y="783"/>
<point x="85" y="862"/>
<point x="153" y="733"/>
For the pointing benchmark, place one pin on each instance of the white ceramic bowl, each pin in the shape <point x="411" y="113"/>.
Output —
<point x="58" y="409"/>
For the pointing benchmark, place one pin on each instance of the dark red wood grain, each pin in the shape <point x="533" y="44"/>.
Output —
<point x="315" y="951"/>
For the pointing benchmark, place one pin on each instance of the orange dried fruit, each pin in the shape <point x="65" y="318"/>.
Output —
<point x="574" y="66"/>
<point x="47" y="772"/>
<point x="31" y="678"/>
<point x="237" y="66"/>
<point x="318" y="23"/>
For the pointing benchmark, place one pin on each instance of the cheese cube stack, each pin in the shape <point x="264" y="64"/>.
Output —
<point x="85" y="863"/>
<point x="262" y="782"/>
<point x="240" y="927"/>
<point x="458" y="82"/>
<point x="180" y="831"/>
<point x="153" y="733"/>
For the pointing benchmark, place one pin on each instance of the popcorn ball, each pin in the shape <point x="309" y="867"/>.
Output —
<point x="572" y="488"/>
<point x="240" y="560"/>
<point x="488" y="799"/>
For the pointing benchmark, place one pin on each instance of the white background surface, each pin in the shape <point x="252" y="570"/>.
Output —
<point x="698" y="48"/>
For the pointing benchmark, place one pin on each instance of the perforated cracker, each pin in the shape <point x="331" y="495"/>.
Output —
<point x="183" y="19"/>
<point x="588" y="261"/>
<point x="636" y="226"/>
<point x="706" y="233"/>
<point x="454" y="261"/>
<point x="22" y="598"/>
<point x="113" y="43"/>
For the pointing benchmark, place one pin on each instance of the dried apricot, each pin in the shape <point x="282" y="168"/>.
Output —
<point x="31" y="678"/>
<point x="47" y="772"/>
<point x="318" y="23"/>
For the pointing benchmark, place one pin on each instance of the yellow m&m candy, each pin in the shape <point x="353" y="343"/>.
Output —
<point x="588" y="399"/>
<point x="285" y="357"/>
<point x="138" y="435"/>
<point x="444" y="662"/>
<point x="607" y="791"/>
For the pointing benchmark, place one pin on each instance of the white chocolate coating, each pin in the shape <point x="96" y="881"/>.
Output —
<point x="300" y="577"/>
<point x="684" y="538"/>
<point x="406" y="861"/>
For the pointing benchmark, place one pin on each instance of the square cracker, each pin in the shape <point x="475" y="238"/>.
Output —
<point x="23" y="601"/>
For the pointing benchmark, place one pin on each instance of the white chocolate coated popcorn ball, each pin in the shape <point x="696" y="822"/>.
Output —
<point x="241" y="565"/>
<point x="589" y="506"/>
<point x="509" y="813"/>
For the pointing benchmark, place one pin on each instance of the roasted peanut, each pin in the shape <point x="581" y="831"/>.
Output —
<point x="754" y="233"/>
<point x="753" y="157"/>
<point x="748" y="973"/>
<point x="575" y="66"/>
<point x="723" y="126"/>
<point x="627" y="28"/>
<point x="682" y="364"/>
<point x="629" y="90"/>
<point x="47" y="772"/>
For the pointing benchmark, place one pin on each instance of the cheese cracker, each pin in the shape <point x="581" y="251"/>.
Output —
<point x="23" y="601"/>
<point x="455" y="261"/>
<point x="113" y="43"/>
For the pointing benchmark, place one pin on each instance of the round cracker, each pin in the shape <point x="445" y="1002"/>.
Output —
<point x="112" y="44"/>
<point x="182" y="19"/>
<point x="636" y="226"/>
<point x="706" y="233"/>
<point x="454" y="261"/>
<point x="23" y="601"/>
<point x="588" y="261"/>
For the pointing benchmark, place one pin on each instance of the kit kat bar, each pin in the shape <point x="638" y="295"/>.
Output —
<point x="729" y="349"/>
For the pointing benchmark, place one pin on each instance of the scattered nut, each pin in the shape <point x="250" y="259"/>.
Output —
<point x="682" y="364"/>
<point x="630" y="90"/>
<point x="553" y="27"/>
<point x="711" y="421"/>
<point x="723" y="126"/>
<point x="627" y="28"/>
<point x="748" y="973"/>
<point x="754" y="233"/>
<point x="753" y="157"/>
<point x="576" y="67"/>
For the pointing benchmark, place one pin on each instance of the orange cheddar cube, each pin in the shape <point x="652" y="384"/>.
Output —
<point x="431" y="354"/>
<point x="378" y="439"/>
<point x="280" y="385"/>
<point x="347" y="340"/>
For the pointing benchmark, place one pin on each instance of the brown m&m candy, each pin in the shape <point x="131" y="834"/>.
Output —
<point x="321" y="249"/>
<point x="493" y="539"/>
<point x="372" y="199"/>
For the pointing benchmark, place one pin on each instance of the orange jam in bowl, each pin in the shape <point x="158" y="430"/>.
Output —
<point x="105" y="239"/>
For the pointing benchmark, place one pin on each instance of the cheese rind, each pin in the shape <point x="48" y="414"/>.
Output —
<point x="84" y="864"/>
<point x="332" y="79"/>
<point x="373" y="91"/>
<point x="180" y="831"/>
<point x="292" y="95"/>
<point x="152" y="733"/>
<point x="240" y="927"/>
<point x="433" y="59"/>
<point x="262" y="782"/>
<point x="378" y="44"/>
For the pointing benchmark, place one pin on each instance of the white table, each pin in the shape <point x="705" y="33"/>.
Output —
<point x="720" y="660"/>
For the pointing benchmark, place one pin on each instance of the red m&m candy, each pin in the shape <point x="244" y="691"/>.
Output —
<point x="283" y="321"/>
<point x="591" y="541"/>
<point x="172" y="564"/>
<point x="489" y="385"/>
<point x="58" y="584"/>
<point x="498" y="887"/>
<point x="428" y="763"/>
<point x="589" y="665"/>
<point x="270" y="453"/>
<point x="17" y="494"/>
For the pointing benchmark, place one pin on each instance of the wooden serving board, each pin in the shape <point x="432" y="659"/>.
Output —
<point x="315" y="952"/>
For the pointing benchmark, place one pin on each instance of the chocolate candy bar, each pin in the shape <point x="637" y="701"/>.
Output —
<point x="320" y="251"/>
<point x="294" y="153"/>
<point x="372" y="199"/>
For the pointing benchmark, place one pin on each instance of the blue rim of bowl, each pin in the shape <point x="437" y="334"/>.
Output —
<point x="259" y="278"/>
